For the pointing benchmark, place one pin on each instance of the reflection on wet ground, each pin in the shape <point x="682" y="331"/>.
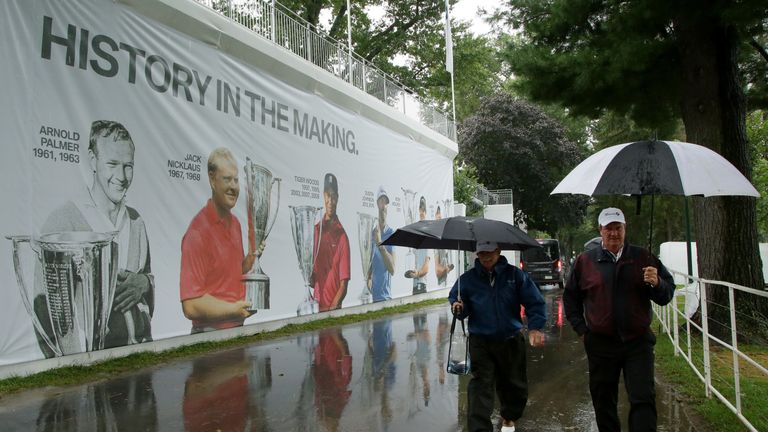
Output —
<point x="385" y="375"/>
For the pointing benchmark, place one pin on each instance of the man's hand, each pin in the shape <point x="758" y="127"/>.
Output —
<point x="129" y="290"/>
<point x="651" y="276"/>
<point x="251" y="257"/>
<point x="457" y="307"/>
<point x="242" y="309"/>
<point x="536" y="338"/>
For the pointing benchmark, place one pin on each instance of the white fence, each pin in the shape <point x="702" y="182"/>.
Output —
<point x="273" y="21"/>
<point x="727" y="370"/>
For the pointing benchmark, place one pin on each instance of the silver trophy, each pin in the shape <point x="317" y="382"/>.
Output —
<point x="259" y="182"/>
<point x="365" y="224"/>
<point x="75" y="279"/>
<point x="302" y="227"/>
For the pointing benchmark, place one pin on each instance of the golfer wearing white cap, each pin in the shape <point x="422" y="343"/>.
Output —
<point x="608" y="303"/>
<point x="383" y="260"/>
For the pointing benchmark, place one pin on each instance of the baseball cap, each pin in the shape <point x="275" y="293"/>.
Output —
<point x="486" y="246"/>
<point x="382" y="193"/>
<point x="610" y="214"/>
<point x="331" y="184"/>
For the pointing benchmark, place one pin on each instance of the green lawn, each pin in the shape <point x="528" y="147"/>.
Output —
<point x="754" y="384"/>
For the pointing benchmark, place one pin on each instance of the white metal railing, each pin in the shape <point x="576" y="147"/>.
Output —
<point x="273" y="21"/>
<point x="719" y="364"/>
<point x="491" y="197"/>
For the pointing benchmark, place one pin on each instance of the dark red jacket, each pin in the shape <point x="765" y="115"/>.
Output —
<point x="610" y="297"/>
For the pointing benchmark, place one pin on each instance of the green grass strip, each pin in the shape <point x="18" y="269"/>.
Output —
<point x="677" y="372"/>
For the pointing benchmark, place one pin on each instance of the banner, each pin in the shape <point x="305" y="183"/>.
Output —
<point x="156" y="187"/>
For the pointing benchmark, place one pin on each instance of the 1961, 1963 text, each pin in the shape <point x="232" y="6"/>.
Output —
<point x="58" y="145"/>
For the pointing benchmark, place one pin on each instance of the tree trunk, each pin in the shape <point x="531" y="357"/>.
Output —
<point x="714" y="111"/>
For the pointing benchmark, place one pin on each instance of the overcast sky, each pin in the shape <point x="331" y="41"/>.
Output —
<point x="466" y="10"/>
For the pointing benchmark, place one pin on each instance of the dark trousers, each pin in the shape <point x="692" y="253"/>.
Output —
<point x="499" y="365"/>
<point x="608" y="357"/>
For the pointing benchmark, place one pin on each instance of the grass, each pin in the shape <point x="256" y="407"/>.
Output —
<point x="74" y="375"/>
<point x="754" y="384"/>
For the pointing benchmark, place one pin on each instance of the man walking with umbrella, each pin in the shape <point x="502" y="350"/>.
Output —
<point x="491" y="294"/>
<point x="608" y="302"/>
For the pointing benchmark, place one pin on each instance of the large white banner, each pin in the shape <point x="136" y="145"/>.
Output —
<point x="114" y="231"/>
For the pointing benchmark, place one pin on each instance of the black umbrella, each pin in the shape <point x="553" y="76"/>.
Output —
<point x="460" y="233"/>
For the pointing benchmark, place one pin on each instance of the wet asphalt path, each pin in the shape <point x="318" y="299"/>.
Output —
<point x="384" y="375"/>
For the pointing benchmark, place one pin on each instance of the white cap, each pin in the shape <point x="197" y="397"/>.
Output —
<point x="486" y="246"/>
<point x="610" y="214"/>
<point x="382" y="193"/>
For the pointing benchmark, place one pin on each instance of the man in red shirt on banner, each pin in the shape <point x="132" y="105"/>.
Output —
<point x="212" y="259"/>
<point x="330" y="273"/>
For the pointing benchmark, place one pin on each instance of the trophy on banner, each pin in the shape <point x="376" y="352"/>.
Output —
<point x="76" y="275"/>
<point x="302" y="227"/>
<point x="259" y="182"/>
<point x="446" y="255"/>
<point x="410" y="211"/>
<point x="365" y="224"/>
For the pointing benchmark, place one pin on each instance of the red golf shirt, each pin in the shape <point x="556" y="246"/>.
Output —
<point x="331" y="261"/>
<point x="211" y="261"/>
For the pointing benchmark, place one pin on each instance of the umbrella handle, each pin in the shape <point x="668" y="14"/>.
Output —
<point x="458" y="250"/>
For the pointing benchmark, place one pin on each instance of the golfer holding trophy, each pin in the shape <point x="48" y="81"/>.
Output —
<point x="212" y="282"/>
<point x="93" y="285"/>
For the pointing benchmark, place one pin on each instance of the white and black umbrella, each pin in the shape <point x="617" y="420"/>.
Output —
<point x="656" y="168"/>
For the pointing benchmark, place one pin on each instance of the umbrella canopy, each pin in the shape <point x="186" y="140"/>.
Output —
<point x="656" y="168"/>
<point x="460" y="233"/>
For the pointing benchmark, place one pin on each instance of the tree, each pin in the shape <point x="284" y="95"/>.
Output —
<point x="465" y="187"/>
<point x="757" y="131"/>
<point x="477" y="71"/>
<point x="406" y="40"/>
<point x="656" y="60"/>
<point x="515" y="145"/>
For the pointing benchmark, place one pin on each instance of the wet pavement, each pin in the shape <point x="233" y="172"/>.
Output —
<point x="383" y="375"/>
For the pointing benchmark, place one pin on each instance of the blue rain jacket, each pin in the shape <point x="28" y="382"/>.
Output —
<point x="494" y="310"/>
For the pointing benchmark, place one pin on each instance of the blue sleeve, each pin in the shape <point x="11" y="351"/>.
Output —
<point x="531" y="298"/>
<point x="453" y="295"/>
